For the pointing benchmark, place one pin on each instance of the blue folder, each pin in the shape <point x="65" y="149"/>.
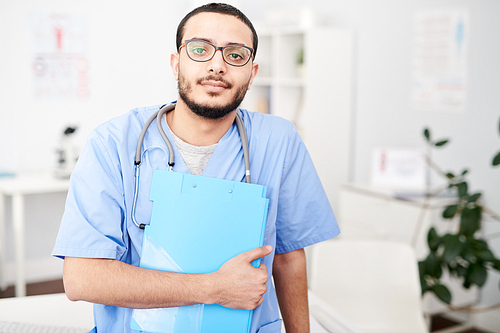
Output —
<point x="197" y="224"/>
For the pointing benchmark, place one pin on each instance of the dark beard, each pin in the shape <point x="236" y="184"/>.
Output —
<point x="209" y="112"/>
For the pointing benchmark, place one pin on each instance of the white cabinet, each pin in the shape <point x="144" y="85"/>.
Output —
<point x="316" y="95"/>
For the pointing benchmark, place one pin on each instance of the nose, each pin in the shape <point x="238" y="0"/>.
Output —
<point x="217" y="65"/>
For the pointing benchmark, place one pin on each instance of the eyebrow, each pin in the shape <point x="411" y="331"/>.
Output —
<point x="211" y="41"/>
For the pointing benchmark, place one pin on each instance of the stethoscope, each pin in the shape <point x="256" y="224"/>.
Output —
<point x="171" y="157"/>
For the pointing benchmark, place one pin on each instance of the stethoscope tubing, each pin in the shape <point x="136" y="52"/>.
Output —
<point x="156" y="115"/>
<point x="171" y="156"/>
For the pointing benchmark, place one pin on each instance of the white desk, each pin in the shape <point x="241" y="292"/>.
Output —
<point x="56" y="310"/>
<point x="18" y="187"/>
<point x="51" y="311"/>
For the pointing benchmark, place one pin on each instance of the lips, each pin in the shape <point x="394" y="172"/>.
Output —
<point x="212" y="82"/>
<point x="215" y="84"/>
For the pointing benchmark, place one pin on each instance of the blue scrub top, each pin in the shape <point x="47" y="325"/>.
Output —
<point x="97" y="220"/>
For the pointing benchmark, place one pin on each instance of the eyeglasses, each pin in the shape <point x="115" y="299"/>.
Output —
<point x="201" y="51"/>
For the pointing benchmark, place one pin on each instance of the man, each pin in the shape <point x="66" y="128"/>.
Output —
<point x="100" y="243"/>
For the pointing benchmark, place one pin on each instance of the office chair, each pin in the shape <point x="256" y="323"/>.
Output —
<point x="372" y="284"/>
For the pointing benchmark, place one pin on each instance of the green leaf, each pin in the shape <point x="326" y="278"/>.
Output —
<point x="461" y="270"/>
<point x="478" y="244"/>
<point x="468" y="255"/>
<point x="474" y="197"/>
<point x="465" y="172"/>
<point x="450" y="211"/>
<point x="441" y="143"/>
<point x="462" y="189"/>
<point x="452" y="248"/>
<point x="450" y="175"/>
<point x="433" y="266"/>
<point x="496" y="265"/>
<point x="496" y="159"/>
<point x="433" y="240"/>
<point x="477" y="274"/>
<point x="470" y="221"/>
<point x="421" y="268"/>
<point x="423" y="282"/>
<point x="442" y="293"/>
<point x="427" y="134"/>
<point x="485" y="255"/>
<point x="424" y="286"/>
<point x="446" y="237"/>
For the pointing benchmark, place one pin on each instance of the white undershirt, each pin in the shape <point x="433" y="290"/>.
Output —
<point x="195" y="157"/>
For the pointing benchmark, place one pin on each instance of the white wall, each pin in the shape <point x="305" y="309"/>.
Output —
<point x="128" y="48"/>
<point x="382" y="111"/>
<point x="129" y="44"/>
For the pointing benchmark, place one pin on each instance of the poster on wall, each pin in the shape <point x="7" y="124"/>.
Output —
<point x="59" y="61"/>
<point x="440" y="61"/>
<point x="398" y="169"/>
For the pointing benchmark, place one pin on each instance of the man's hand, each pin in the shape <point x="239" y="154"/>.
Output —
<point x="240" y="285"/>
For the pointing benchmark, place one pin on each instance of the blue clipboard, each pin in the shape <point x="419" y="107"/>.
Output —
<point x="197" y="224"/>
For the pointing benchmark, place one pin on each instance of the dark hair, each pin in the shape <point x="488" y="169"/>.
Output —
<point x="220" y="8"/>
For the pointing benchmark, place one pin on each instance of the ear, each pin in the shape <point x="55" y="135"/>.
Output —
<point x="174" y="64"/>
<point x="255" y="69"/>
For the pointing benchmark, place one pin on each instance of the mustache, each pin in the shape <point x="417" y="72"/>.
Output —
<point x="214" y="78"/>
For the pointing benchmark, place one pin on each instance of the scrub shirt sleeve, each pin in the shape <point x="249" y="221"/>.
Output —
<point x="305" y="216"/>
<point x="92" y="224"/>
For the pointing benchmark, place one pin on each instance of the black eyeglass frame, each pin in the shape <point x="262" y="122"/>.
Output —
<point x="221" y="48"/>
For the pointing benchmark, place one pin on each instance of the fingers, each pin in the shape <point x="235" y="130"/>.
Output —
<point x="244" y="285"/>
<point x="262" y="276"/>
<point x="254" y="304"/>
<point x="263" y="269"/>
<point x="258" y="252"/>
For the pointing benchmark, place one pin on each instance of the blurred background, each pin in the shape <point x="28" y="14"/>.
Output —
<point x="360" y="79"/>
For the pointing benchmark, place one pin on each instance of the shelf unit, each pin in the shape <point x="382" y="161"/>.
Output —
<point x="316" y="96"/>
<point x="278" y="87"/>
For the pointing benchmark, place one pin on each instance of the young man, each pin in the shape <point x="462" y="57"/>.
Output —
<point x="100" y="243"/>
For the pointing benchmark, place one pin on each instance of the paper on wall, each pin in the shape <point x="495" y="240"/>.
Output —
<point x="440" y="61"/>
<point x="399" y="169"/>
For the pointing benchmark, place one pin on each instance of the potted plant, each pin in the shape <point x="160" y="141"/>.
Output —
<point x="464" y="253"/>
